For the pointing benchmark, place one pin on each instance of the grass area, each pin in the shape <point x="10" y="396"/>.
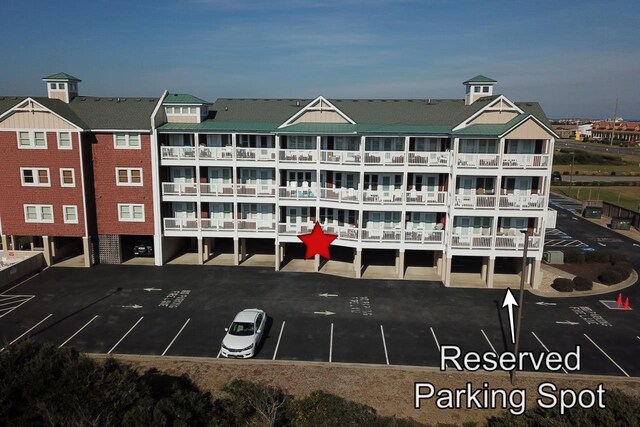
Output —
<point x="630" y="168"/>
<point x="628" y="197"/>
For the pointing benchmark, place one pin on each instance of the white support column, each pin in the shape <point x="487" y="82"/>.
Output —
<point x="236" y="252"/>
<point x="48" y="257"/>
<point x="447" y="272"/>
<point x="490" y="271"/>
<point x="483" y="271"/>
<point x="400" y="263"/>
<point x="357" y="263"/>
<point x="5" y="243"/>
<point x="316" y="263"/>
<point x="438" y="258"/>
<point x="158" y="240"/>
<point x="200" y="251"/>
<point x="243" y="250"/>
<point x="86" y="248"/>
<point x="278" y="255"/>
<point x="536" y="278"/>
<point x="14" y="243"/>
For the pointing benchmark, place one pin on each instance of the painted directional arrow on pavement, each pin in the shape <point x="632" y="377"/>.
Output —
<point x="326" y="295"/>
<point x="545" y="303"/>
<point x="324" y="313"/>
<point x="152" y="289"/>
<point x="131" y="306"/>
<point x="566" y="322"/>
<point x="510" y="302"/>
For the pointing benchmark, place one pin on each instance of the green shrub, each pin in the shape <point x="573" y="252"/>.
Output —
<point x="562" y="285"/>
<point x="617" y="257"/>
<point x="624" y="268"/>
<point x="610" y="277"/>
<point x="597" y="256"/>
<point x="582" y="284"/>
<point x="574" y="256"/>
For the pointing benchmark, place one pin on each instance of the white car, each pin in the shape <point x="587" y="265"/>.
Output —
<point x="244" y="334"/>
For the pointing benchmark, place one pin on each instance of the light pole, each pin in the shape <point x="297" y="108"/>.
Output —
<point x="571" y="173"/>
<point x="523" y="273"/>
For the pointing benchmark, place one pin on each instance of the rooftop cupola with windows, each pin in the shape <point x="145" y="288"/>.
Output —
<point x="62" y="86"/>
<point x="478" y="87"/>
<point x="185" y="108"/>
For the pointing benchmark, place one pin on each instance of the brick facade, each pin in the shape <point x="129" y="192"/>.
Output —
<point x="15" y="195"/>
<point x="109" y="249"/>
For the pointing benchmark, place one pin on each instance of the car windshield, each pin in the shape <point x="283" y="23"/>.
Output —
<point x="241" y="328"/>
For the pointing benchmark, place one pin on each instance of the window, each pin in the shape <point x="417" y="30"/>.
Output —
<point x="35" y="177"/>
<point x="129" y="176"/>
<point x="485" y="89"/>
<point x="38" y="213"/>
<point x="61" y="86"/>
<point x="67" y="177"/>
<point x="64" y="141"/>
<point x="130" y="213"/>
<point x="53" y="86"/>
<point x="70" y="214"/>
<point x="32" y="139"/>
<point x="126" y="140"/>
<point x="476" y="89"/>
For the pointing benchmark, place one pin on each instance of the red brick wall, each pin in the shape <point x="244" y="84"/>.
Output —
<point x="13" y="196"/>
<point x="108" y="194"/>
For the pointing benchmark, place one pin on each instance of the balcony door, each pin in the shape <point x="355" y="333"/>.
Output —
<point x="181" y="174"/>
<point x="519" y="186"/>
<point x="423" y="220"/>
<point x="300" y="177"/>
<point x="219" y="176"/>
<point x="344" y="180"/>
<point x="257" y="211"/>
<point x="221" y="211"/>
<point x="467" y="226"/>
<point x="427" y="144"/>
<point x="467" y="185"/>
<point x="520" y="146"/>
<point x="299" y="215"/>
<point x="183" y="210"/>
<point x="426" y="183"/>
<point x="514" y="224"/>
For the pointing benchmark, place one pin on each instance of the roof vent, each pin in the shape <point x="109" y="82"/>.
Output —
<point x="297" y="103"/>
<point x="118" y="100"/>
<point x="429" y="101"/>
<point x="226" y="108"/>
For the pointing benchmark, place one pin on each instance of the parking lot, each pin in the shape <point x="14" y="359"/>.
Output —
<point x="183" y="310"/>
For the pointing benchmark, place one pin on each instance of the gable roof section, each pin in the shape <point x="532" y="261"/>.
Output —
<point x="311" y="106"/>
<point x="61" y="76"/>
<point x="183" y="98"/>
<point x="480" y="79"/>
<point x="114" y="113"/>
<point x="57" y="107"/>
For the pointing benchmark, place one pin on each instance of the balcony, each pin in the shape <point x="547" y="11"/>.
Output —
<point x="525" y="161"/>
<point x="478" y="160"/>
<point x="180" y="224"/>
<point x="345" y="195"/>
<point x="298" y="156"/>
<point x="344" y="232"/>
<point x="179" y="189"/>
<point x="424" y="236"/>
<point x="256" y="154"/>
<point x="470" y="201"/>
<point x="384" y="158"/>
<point x="215" y="153"/>
<point x="216" y="224"/>
<point x="425" y="158"/>
<point x="295" y="229"/>
<point x="297" y="193"/>
<point x="256" y="190"/>
<point x="216" y="189"/>
<point x="431" y="198"/>
<point x="469" y="241"/>
<point x="256" y="226"/>
<point x="382" y="234"/>
<point x="516" y="243"/>
<point x="381" y="197"/>
<point x="340" y="157"/>
<point x="511" y="201"/>
<point x="178" y="153"/>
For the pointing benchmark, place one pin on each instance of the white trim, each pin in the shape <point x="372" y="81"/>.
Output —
<point x="127" y="139"/>
<point x="38" y="213"/>
<point x="487" y="107"/>
<point x="145" y="131"/>
<point x="131" y="206"/>
<point x="309" y="107"/>
<point x="73" y="176"/>
<point x="17" y="108"/>
<point x="84" y="193"/>
<point x="129" y="183"/>
<point x="530" y="116"/>
<point x="64" y="214"/>
<point x="35" y="177"/>
<point x="32" y="139"/>
<point x="70" y="147"/>
<point x="155" y="183"/>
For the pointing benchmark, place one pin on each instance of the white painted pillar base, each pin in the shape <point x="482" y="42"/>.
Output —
<point x="483" y="271"/>
<point x="400" y="264"/>
<point x="357" y="263"/>
<point x="236" y="252"/>
<point x="86" y="248"/>
<point x="491" y="266"/>
<point x="447" y="272"/>
<point x="536" y="278"/>
<point x="243" y="250"/>
<point x="48" y="258"/>
<point x="200" y="251"/>
<point x="5" y="243"/>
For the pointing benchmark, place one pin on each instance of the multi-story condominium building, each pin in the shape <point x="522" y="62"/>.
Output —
<point x="436" y="183"/>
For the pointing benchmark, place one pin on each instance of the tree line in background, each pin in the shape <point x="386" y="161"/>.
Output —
<point x="41" y="385"/>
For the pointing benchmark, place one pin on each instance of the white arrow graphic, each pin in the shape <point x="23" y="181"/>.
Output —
<point x="324" y="313"/>
<point x="510" y="302"/>
<point x="601" y="244"/>
<point x="152" y="289"/>
<point x="567" y="322"/>
<point x="131" y="306"/>
<point x="326" y="295"/>
<point x="545" y="303"/>
<point x="635" y="244"/>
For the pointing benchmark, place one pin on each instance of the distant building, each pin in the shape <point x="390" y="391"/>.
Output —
<point x="565" y="131"/>
<point x="584" y="131"/>
<point x="622" y="131"/>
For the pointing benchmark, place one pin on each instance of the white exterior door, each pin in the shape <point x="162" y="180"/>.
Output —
<point x="297" y="215"/>
<point x="183" y="210"/>
<point x="219" y="175"/>
<point x="182" y="174"/>
<point x="467" y="185"/>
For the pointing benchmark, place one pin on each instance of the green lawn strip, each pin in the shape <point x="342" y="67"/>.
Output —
<point x="628" y="197"/>
<point x="601" y="170"/>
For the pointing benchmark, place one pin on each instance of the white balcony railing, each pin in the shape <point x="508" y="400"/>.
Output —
<point x="347" y="195"/>
<point x="526" y="161"/>
<point x="511" y="201"/>
<point x="390" y="197"/>
<point x="178" y="153"/>
<point x="183" y="189"/>
<point x="256" y="190"/>
<point x="215" y="153"/>
<point x="257" y="225"/>
<point x="297" y="193"/>
<point x="217" y="224"/>
<point x="180" y="224"/>
<point x="216" y="189"/>
<point x="470" y="241"/>
<point x="381" y="234"/>
<point x="298" y="156"/>
<point x="424" y="236"/>
<point x="340" y="157"/>
<point x="429" y="158"/>
<point x="294" y="229"/>
<point x="256" y="154"/>
<point x="344" y="232"/>
<point x="516" y="243"/>
<point x="436" y="198"/>
<point x="477" y="160"/>
<point x="384" y="157"/>
<point x="470" y="201"/>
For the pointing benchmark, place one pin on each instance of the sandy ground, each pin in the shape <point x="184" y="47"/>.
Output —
<point x="389" y="389"/>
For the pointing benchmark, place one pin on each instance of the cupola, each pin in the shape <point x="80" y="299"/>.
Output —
<point x="62" y="86"/>
<point x="478" y="87"/>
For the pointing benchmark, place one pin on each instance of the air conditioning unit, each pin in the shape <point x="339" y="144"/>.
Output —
<point x="553" y="257"/>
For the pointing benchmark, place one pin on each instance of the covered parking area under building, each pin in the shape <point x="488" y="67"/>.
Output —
<point x="63" y="251"/>
<point x="421" y="264"/>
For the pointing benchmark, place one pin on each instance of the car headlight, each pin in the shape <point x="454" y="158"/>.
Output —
<point x="225" y="347"/>
<point x="247" y="348"/>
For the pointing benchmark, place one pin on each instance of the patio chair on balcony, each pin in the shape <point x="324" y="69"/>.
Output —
<point x="412" y="197"/>
<point x="353" y="194"/>
<point x="397" y="195"/>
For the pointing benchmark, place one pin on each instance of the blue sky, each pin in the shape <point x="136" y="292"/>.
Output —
<point x="574" y="57"/>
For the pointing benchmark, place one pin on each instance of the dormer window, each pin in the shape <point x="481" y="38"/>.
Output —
<point x="485" y="89"/>
<point x="476" y="89"/>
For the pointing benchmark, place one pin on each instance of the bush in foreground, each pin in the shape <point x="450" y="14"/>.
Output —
<point x="624" y="268"/>
<point x="574" y="256"/>
<point x="597" y="257"/>
<point x="610" y="277"/>
<point x="562" y="285"/>
<point x="582" y="284"/>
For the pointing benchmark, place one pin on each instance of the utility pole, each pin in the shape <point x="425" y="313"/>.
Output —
<point x="573" y="154"/>
<point x="613" y="129"/>
<point x="523" y="273"/>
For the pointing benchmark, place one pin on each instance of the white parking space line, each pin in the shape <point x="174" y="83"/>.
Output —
<point x="275" y="352"/>
<point x="219" y="352"/>
<point x="608" y="357"/>
<point x="545" y="347"/>
<point x="125" y="335"/>
<point x="384" y="343"/>
<point x="78" y="331"/>
<point x="331" y="344"/>
<point x="30" y="329"/>
<point x="487" y="338"/>
<point x="7" y="310"/>
<point x="24" y="281"/>
<point x="436" y="339"/>
<point x="176" y="337"/>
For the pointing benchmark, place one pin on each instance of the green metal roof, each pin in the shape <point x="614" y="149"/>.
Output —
<point x="480" y="79"/>
<point x="222" y="127"/>
<point x="490" y="129"/>
<point x="61" y="76"/>
<point x="183" y="98"/>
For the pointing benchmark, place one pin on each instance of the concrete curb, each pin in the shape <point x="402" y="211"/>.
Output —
<point x="622" y="285"/>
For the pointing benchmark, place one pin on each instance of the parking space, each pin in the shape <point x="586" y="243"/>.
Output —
<point x="302" y="339"/>
<point x="411" y="343"/>
<point x="359" y="341"/>
<point x="201" y="337"/>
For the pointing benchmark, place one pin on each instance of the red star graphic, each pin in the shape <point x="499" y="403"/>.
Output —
<point x="317" y="242"/>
